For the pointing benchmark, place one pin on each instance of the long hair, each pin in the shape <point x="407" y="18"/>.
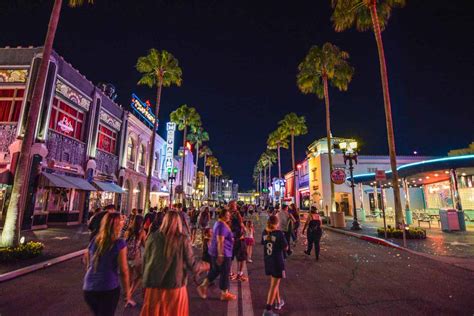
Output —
<point x="106" y="236"/>
<point x="172" y="229"/>
<point x="134" y="228"/>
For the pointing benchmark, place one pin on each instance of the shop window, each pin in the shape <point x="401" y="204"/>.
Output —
<point x="130" y="149"/>
<point x="107" y="139"/>
<point x="10" y="104"/>
<point x="142" y="155"/>
<point x="66" y="120"/>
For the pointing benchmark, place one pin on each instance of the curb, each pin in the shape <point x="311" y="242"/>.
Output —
<point x="372" y="239"/>
<point x="38" y="266"/>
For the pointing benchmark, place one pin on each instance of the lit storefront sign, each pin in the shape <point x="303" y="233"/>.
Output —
<point x="65" y="125"/>
<point x="170" y="128"/>
<point x="143" y="109"/>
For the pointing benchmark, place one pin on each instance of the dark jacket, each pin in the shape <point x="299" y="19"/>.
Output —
<point x="167" y="273"/>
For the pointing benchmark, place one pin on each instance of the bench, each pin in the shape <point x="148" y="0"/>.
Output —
<point x="424" y="218"/>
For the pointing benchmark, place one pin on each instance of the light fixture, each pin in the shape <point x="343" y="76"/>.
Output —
<point x="413" y="181"/>
<point x="447" y="172"/>
<point x="22" y="240"/>
<point x="436" y="175"/>
<point x="343" y="145"/>
<point x="463" y="174"/>
<point x="427" y="177"/>
<point x="353" y="145"/>
<point x="420" y="179"/>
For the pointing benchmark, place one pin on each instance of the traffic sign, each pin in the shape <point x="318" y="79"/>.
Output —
<point x="338" y="176"/>
<point x="380" y="175"/>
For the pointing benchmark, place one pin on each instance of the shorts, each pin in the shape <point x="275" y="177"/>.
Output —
<point x="240" y="250"/>
<point x="275" y="269"/>
<point x="249" y="241"/>
<point x="278" y="274"/>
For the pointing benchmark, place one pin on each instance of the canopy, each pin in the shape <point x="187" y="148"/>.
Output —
<point x="108" y="187"/>
<point x="67" y="182"/>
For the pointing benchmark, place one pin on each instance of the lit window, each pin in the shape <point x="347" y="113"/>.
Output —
<point x="141" y="155"/>
<point x="10" y="104"/>
<point x="130" y="149"/>
<point x="66" y="120"/>
<point x="107" y="139"/>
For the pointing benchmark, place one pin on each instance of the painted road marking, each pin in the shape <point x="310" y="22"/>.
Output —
<point x="247" y="307"/>
<point x="233" y="306"/>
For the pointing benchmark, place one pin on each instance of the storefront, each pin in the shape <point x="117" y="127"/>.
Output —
<point x="106" y="194"/>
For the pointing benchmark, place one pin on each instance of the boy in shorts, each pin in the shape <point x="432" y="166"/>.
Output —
<point x="274" y="246"/>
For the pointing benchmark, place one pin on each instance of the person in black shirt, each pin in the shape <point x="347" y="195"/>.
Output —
<point x="314" y="232"/>
<point x="94" y="223"/>
<point x="274" y="246"/>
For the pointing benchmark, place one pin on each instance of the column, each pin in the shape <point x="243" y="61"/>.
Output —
<point x="361" y="201"/>
<point x="408" y="215"/>
<point x="453" y="181"/>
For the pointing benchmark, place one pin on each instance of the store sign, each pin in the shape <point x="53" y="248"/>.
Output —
<point x="65" y="125"/>
<point x="338" y="176"/>
<point x="170" y="128"/>
<point x="143" y="109"/>
<point x="380" y="175"/>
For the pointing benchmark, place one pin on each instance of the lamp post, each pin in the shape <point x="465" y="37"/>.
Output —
<point x="171" y="177"/>
<point x="349" y="151"/>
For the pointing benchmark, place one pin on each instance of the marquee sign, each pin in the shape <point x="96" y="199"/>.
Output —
<point x="338" y="176"/>
<point x="170" y="128"/>
<point x="143" y="109"/>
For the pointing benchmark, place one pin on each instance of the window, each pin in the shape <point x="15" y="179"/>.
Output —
<point x="130" y="149"/>
<point x="107" y="139"/>
<point x="371" y="170"/>
<point x="10" y="104"/>
<point x="66" y="120"/>
<point x="141" y="155"/>
<point x="157" y="161"/>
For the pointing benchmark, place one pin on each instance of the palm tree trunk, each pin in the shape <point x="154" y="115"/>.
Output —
<point x="293" y="164"/>
<point x="151" y="158"/>
<point x="204" y="169"/>
<point x="183" y="161"/>
<point x="196" y="167"/>
<point x="329" y="142"/>
<point x="388" y="114"/>
<point x="279" y="162"/>
<point x="209" y="183"/>
<point x="269" y="175"/>
<point x="11" y="229"/>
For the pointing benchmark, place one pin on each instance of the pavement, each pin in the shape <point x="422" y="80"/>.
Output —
<point x="352" y="277"/>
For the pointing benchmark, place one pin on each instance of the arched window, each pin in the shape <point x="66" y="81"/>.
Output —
<point x="130" y="149"/>
<point x="125" y="197"/>
<point x="157" y="162"/>
<point x="142" y="155"/>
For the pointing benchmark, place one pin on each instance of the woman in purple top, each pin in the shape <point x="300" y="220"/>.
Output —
<point x="222" y="243"/>
<point x="106" y="254"/>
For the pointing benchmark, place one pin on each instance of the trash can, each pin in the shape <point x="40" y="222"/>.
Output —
<point x="338" y="220"/>
<point x="449" y="219"/>
<point x="361" y="214"/>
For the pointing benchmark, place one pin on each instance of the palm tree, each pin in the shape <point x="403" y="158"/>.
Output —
<point x="204" y="153"/>
<point x="293" y="125"/>
<point x="270" y="157"/>
<point x="185" y="117"/>
<point x="211" y="162"/>
<point x="321" y="66"/>
<point x="277" y="140"/>
<point x="11" y="229"/>
<point x="365" y="15"/>
<point x="197" y="138"/>
<point x="159" y="69"/>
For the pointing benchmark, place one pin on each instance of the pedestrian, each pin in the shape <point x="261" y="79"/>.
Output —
<point x="285" y="219"/>
<point x="221" y="257"/>
<point x="274" y="246"/>
<point x="135" y="237"/>
<point x="106" y="254"/>
<point x="203" y="222"/>
<point x="184" y="219"/>
<point x="206" y="244"/>
<point x="95" y="221"/>
<point x="240" y="248"/>
<point x="168" y="257"/>
<point x="193" y="219"/>
<point x="313" y="232"/>
<point x="249" y="239"/>
<point x="158" y="220"/>
<point x="128" y="220"/>
<point x="296" y="225"/>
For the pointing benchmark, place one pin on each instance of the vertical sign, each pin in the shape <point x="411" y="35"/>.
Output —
<point x="170" y="128"/>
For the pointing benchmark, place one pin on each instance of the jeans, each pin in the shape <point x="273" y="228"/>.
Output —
<point x="222" y="270"/>
<point x="288" y="239"/>
<point x="314" y="240"/>
<point x="102" y="303"/>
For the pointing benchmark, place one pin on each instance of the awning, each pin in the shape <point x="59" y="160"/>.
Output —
<point x="67" y="182"/>
<point x="6" y="177"/>
<point x="108" y="187"/>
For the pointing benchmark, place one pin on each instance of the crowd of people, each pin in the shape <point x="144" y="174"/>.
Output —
<point x="156" y="251"/>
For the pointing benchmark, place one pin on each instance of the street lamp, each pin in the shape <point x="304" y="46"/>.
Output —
<point x="171" y="177"/>
<point x="349" y="151"/>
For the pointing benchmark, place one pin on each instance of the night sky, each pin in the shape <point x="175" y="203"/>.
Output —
<point x="240" y="58"/>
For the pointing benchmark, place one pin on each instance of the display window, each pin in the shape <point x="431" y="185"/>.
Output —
<point x="107" y="139"/>
<point x="66" y="120"/>
<point x="438" y="195"/>
<point x="10" y="103"/>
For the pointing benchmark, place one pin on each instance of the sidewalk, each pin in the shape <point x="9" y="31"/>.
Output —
<point x="58" y="241"/>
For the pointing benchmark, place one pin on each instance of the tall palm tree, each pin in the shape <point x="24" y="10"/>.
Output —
<point x="277" y="140"/>
<point x="204" y="153"/>
<point x="11" y="229"/>
<point x="211" y="162"/>
<point x="365" y="15"/>
<point x="270" y="157"/>
<point x="197" y="138"/>
<point x="322" y="66"/>
<point x="185" y="117"/>
<point x="159" y="69"/>
<point x="293" y="125"/>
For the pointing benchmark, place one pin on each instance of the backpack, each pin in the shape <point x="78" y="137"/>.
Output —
<point x="314" y="227"/>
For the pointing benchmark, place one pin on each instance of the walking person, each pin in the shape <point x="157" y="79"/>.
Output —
<point x="249" y="239"/>
<point x="204" y="219"/>
<point x="106" y="254"/>
<point x="285" y="219"/>
<point x="220" y="250"/>
<point x="168" y="257"/>
<point x="240" y="247"/>
<point x="274" y="247"/>
<point x="293" y="210"/>
<point x="314" y="232"/>
<point x="135" y="237"/>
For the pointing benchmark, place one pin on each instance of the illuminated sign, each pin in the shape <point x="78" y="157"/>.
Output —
<point x="143" y="109"/>
<point x="170" y="128"/>
<point x="65" y="125"/>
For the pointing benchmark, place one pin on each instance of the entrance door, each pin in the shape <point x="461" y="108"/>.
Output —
<point x="372" y="201"/>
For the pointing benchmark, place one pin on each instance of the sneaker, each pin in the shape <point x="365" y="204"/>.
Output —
<point x="249" y="260"/>
<point x="242" y="278"/>
<point x="233" y="276"/>
<point x="279" y="306"/>
<point x="306" y="252"/>
<point x="202" y="291"/>
<point x="227" y="296"/>
<point x="267" y="312"/>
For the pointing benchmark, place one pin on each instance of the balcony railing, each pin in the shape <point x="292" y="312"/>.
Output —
<point x="106" y="162"/>
<point x="64" y="148"/>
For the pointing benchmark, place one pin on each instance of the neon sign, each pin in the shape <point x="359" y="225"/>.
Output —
<point x="65" y="125"/>
<point x="170" y="128"/>
<point x="143" y="109"/>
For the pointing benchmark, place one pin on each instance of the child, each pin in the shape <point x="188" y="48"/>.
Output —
<point x="274" y="246"/>
<point x="206" y="243"/>
<point x="249" y="239"/>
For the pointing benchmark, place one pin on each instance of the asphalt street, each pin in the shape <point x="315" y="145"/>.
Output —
<point x="352" y="277"/>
